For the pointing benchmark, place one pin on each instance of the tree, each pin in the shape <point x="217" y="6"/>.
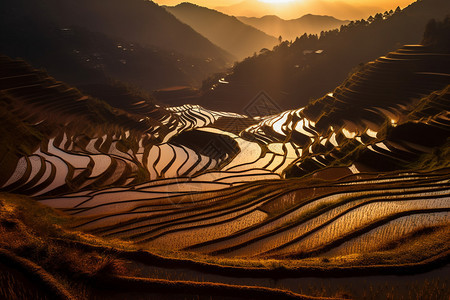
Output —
<point x="280" y="39"/>
<point x="322" y="34"/>
<point x="437" y="33"/>
<point x="378" y="17"/>
<point x="430" y="32"/>
<point x="304" y="37"/>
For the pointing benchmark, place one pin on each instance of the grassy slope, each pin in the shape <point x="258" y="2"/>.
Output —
<point x="27" y="229"/>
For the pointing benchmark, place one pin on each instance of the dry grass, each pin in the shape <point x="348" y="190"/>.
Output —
<point x="27" y="229"/>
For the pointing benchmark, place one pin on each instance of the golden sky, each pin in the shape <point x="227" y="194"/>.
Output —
<point x="290" y="9"/>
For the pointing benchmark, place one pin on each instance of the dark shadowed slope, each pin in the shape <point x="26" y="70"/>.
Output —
<point x="138" y="21"/>
<point x="81" y="57"/>
<point x="43" y="33"/>
<point x="225" y="31"/>
<point x="291" y="29"/>
<point x="293" y="74"/>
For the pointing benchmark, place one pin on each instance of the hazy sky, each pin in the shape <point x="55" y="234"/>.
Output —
<point x="290" y="9"/>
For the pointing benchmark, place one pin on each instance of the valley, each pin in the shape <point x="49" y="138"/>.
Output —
<point x="108" y="192"/>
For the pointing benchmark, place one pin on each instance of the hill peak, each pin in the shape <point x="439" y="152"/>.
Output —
<point x="186" y="4"/>
<point x="311" y="16"/>
<point x="228" y="32"/>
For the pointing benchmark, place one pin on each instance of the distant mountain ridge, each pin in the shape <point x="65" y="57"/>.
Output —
<point x="227" y="32"/>
<point x="293" y="9"/>
<point x="291" y="29"/>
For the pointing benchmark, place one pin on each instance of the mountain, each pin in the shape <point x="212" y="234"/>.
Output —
<point x="291" y="29"/>
<point x="143" y="22"/>
<point x="227" y="32"/>
<point x="293" y="74"/>
<point x="81" y="57"/>
<point x="155" y="202"/>
<point x="57" y="34"/>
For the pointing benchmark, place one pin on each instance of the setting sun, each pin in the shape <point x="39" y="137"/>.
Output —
<point x="276" y="1"/>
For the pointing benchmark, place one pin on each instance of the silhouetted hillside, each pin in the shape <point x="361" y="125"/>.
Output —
<point x="225" y="31"/>
<point x="143" y="22"/>
<point x="293" y="74"/>
<point x="291" y="29"/>
<point x="81" y="56"/>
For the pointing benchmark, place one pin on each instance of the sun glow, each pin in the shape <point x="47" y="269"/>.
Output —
<point x="277" y="1"/>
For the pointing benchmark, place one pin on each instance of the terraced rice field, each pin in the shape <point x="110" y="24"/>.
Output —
<point x="295" y="142"/>
<point x="310" y="226"/>
<point x="179" y="178"/>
